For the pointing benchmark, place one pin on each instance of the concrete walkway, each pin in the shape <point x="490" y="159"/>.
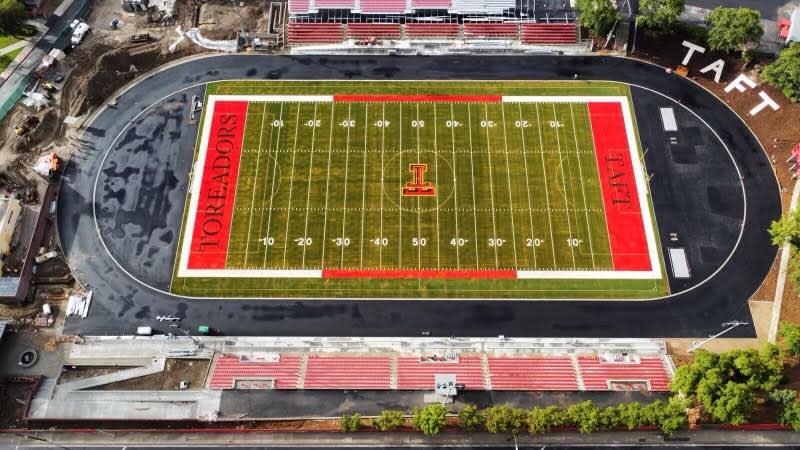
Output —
<point x="375" y="440"/>
<point x="129" y="405"/>
<point x="10" y="48"/>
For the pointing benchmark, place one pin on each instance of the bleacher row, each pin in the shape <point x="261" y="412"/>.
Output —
<point x="529" y="33"/>
<point x="402" y="6"/>
<point x="476" y="372"/>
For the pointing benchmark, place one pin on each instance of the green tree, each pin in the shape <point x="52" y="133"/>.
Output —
<point x="597" y="15"/>
<point x="389" y="420"/>
<point x="787" y="228"/>
<point x="12" y="16"/>
<point x="585" y="416"/>
<point x="431" y="419"/>
<point x="784" y="74"/>
<point x="630" y="414"/>
<point x="542" y="420"/>
<point x="790" y="415"/>
<point x="350" y="423"/>
<point x="791" y="338"/>
<point x="660" y="14"/>
<point x="610" y="418"/>
<point x="672" y="416"/>
<point x="733" y="404"/>
<point x="733" y="28"/>
<point x="783" y="396"/>
<point x="470" y="418"/>
<point x="504" y="419"/>
<point x="669" y="417"/>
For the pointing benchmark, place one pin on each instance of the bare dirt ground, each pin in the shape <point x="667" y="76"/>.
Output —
<point x="177" y="370"/>
<point x="192" y="370"/>
<point x="80" y="373"/>
<point x="220" y="20"/>
<point x="12" y="403"/>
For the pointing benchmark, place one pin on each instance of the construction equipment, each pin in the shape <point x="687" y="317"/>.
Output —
<point x="139" y="38"/>
<point x="79" y="31"/>
<point x="49" y="87"/>
<point x="26" y="124"/>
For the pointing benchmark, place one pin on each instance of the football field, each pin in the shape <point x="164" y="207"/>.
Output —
<point x="424" y="189"/>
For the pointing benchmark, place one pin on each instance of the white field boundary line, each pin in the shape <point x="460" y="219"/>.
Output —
<point x="655" y="273"/>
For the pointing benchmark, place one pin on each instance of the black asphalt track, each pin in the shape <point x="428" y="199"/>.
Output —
<point x="142" y="187"/>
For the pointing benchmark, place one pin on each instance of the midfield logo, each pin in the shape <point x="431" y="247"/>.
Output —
<point x="418" y="187"/>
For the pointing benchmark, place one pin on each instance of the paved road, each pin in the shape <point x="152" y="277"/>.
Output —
<point x="120" y="303"/>
<point x="274" y="403"/>
<point x="509" y="446"/>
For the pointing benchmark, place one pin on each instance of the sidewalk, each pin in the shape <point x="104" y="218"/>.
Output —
<point x="13" y="83"/>
<point x="372" y="440"/>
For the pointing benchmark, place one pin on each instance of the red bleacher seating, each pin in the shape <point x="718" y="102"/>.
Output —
<point x="538" y="373"/>
<point x="413" y="374"/>
<point x="596" y="374"/>
<point x="334" y="4"/>
<point x="227" y="369"/>
<point x="549" y="33"/>
<point x="314" y="33"/>
<point x="298" y="6"/>
<point x="348" y="372"/>
<point x="430" y="4"/>
<point x="490" y="30"/>
<point x="383" y="6"/>
<point x="417" y="30"/>
<point x="378" y="30"/>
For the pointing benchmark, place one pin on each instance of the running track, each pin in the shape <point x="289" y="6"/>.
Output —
<point x="141" y="236"/>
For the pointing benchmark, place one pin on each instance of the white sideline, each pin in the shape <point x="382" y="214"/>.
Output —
<point x="638" y="172"/>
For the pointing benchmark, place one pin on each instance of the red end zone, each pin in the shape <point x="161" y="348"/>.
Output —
<point x="620" y="195"/>
<point x="212" y="222"/>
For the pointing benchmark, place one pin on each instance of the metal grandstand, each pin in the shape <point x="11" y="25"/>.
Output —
<point x="547" y="22"/>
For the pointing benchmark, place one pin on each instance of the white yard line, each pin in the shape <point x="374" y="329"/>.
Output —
<point x="308" y="187"/>
<point x="546" y="188"/>
<point x="510" y="201"/>
<point x="400" y="195"/>
<point x="383" y="192"/>
<point x="272" y="188"/>
<point x="419" y="214"/>
<point x="436" y="183"/>
<point x="472" y="174"/>
<point x="455" y="184"/>
<point x="327" y="188"/>
<point x="291" y="184"/>
<point x="527" y="183"/>
<point x="346" y="168"/>
<point x="244" y="133"/>
<point x="583" y="187"/>
<point x="255" y="184"/>
<point x="364" y="187"/>
<point x="564" y="183"/>
<point x="491" y="185"/>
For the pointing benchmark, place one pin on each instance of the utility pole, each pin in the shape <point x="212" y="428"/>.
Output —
<point x="728" y="327"/>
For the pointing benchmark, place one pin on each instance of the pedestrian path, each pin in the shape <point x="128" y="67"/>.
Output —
<point x="10" y="48"/>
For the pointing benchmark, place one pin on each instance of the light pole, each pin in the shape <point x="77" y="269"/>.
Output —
<point x="728" y="327"/>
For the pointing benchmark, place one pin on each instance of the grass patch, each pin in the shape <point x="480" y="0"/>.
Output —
<point x="518" y="188"/>
<point x="8" y="58"/>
